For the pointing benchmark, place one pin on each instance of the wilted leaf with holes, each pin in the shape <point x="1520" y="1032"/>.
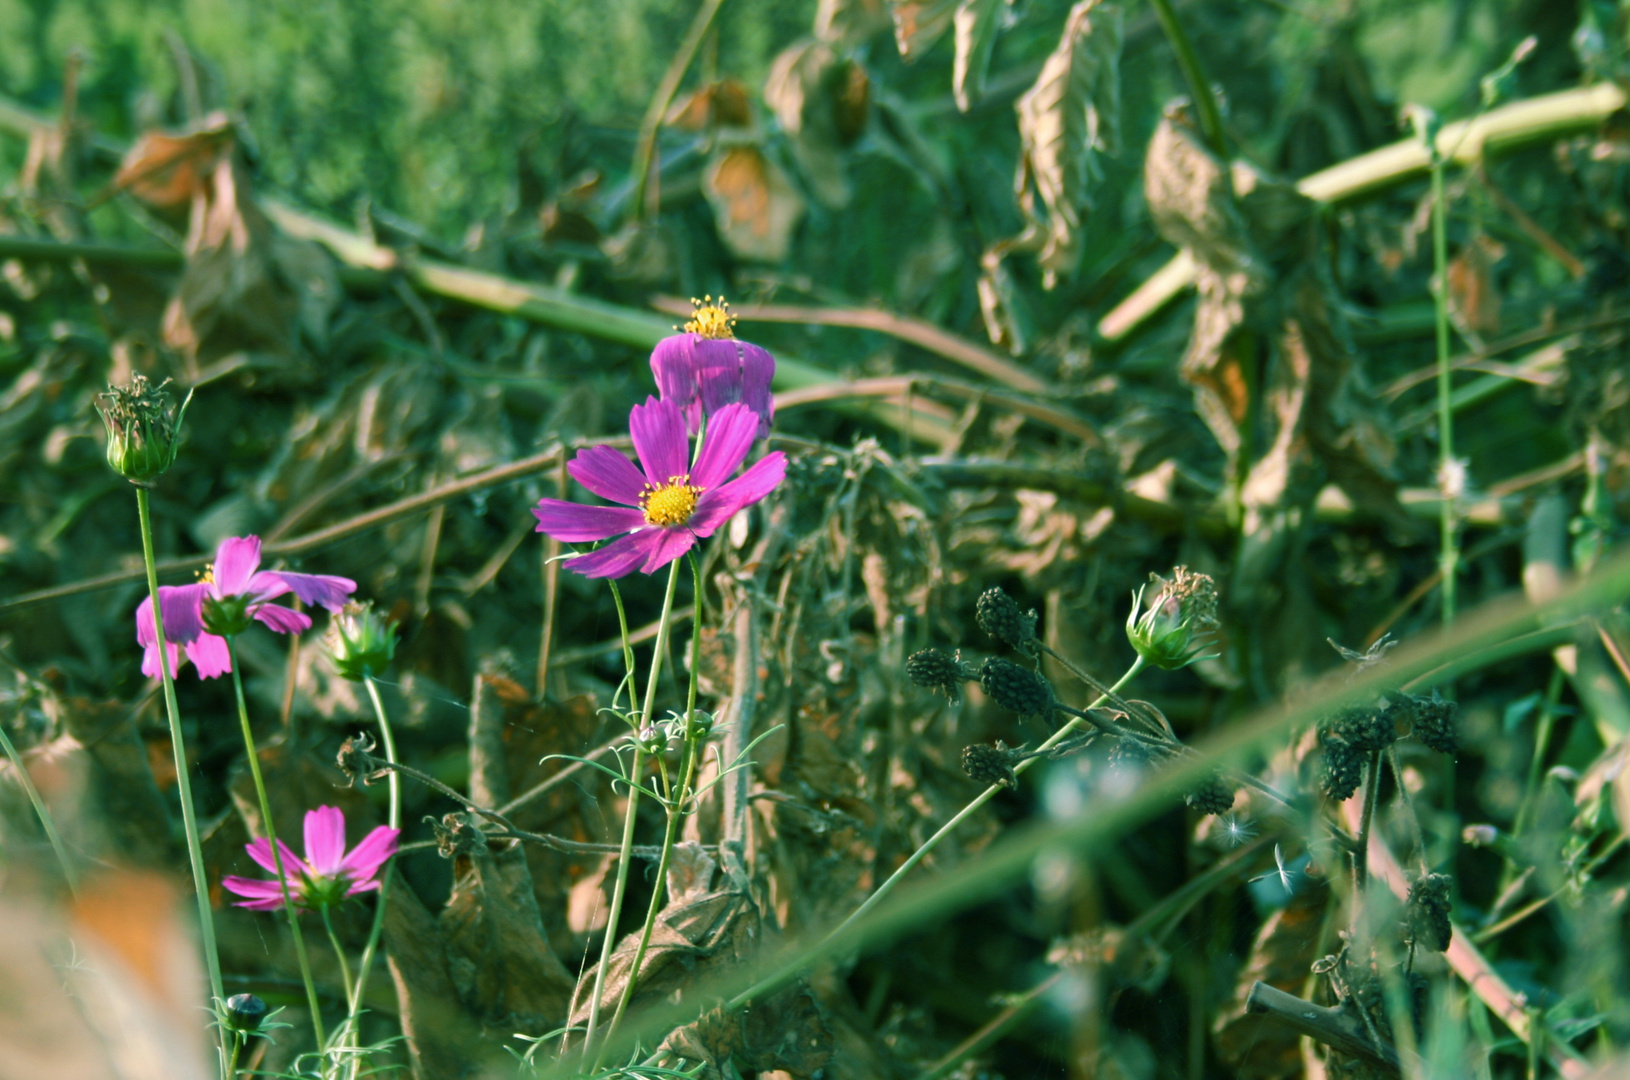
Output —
<point x="168" y="170"/>
<point x="501" y="964"/>
<point x="918" y="24"/>
<point x="245" y="286"/>
<point x="976" y="24"/>
<point x="1069" y="117"/>
<point x="821" y="99"/>
<point x="755" y="207"/>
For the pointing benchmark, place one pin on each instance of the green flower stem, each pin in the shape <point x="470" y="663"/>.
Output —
<point x="945" y="830"/>
<point x="1450" y="558"/>
<point x="675" y="807"/>
<point x="189" y="816"/>
<point x="1205" y="102"/>
<point x="625" y="855"/>
<point x="345" y="968"/>
<point x="277" y="851"/>
<point x="388" y="740"/>
<point x="40" y="808"/>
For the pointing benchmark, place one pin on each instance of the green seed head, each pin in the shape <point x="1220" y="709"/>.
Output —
<point x="361" y="641"/>
<point x="143" y="432"/>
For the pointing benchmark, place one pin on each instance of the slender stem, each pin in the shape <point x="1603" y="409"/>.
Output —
<point x="945" y="830"/>
<point x="189" y="816"/>
<point x="620" y="889"/>
<point x="622" y="626"/>
<point x="395" y="820"/>
<point x="277" y="849"/>
<point x="1450" y="558"/>
<point x="345" y="968"/>
<point x="40" y="809"/>
<point x="1205" y="103"/>
<point x="645" y="149"/>
<point x="238" y="1039"/>
<point x="1361" y="856"/>
<point x="675" y="807"/>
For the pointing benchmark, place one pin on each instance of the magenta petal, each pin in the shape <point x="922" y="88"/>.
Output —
<point x="608" y="474"/>
<point x="283" y="620"/>
<point x="621" y="556"/>
<point x="236" y="561"/>
<point x="209" y="655"/>
<point x="325" y="840"/>
<point x="758" y="372"/>
<point x="730" y="434"/>
<point x="362" y="887"/>
<point x="149" y="660"/>
<point x="658" y="429"/>
<point x="256" y="887"/>
<point x="260" y="850"/>
<point x="364" y="860"/>
<point x="718" y="505"/>
<point x="669" y="545"/>
<point x="577" y="524"/>
<point x="322" y="590"/>
<point x="673" y="363"/>
<point x="183" y="614"/>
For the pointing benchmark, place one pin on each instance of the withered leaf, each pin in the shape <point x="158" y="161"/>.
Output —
<point x="1282" y="957"/>
<point x="168" y="170"/>
<point x="976" y="24"/>
<point x="918" y="24"/>
<point x="444" y="1041"/>
<point x="754" y="205"/>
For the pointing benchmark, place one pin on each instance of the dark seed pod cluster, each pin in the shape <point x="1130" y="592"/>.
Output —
<point x="1435" y="723"/>
<point x="1213" y="796"/>
<point x="989" y="764"/>
<point x="1341" y="771"/>
<point x="934" y="670"/>
<point x="1362" y="728"/>
<point x="999" y="616"/>
<point x="1016" y="688"/>
<point x="1129" y="754"/>
<point x="1426" y="914"/>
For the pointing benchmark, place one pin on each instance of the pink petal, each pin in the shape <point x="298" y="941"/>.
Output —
<point x="673" y="363"/>
<point x="246" y="886"/>
<point x="576" y="523"/>
<point x="364" y="860"/>
<point x="758" y="372"/>
<point x="362" y="887"/>
<point x="618" y="558"/>
<point x="210" y="655"/>
<point x="730" y="434"/>
<point x="669" y="545"/>
<point x="236" y="561"/>
<point x="325" y="840"/>
<point x="658" y="428"/>
<point x="608" y="474"/>
<point x="149" y="660"/>
<point x="260" y="850"/>
<point x="183" y="608"/>
<point x="718" y="505"/>
<point x="323" y="590"/>
<point x="283" y="620"/>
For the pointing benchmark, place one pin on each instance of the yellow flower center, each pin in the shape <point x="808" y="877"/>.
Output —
<point x="711" y="320"/>
<point x="207" y="575"/>
<point x="670" y="504"/>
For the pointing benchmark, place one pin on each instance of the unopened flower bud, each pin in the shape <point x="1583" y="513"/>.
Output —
<point x="244" y="1012"/>
<point x="142" y="430"/>
<point x="361" y="642"/>
<point x="999" y="616"/>
<point x="934" y="670"/>
<point x="1180" y="622"/>
<point x="653" y="738"/>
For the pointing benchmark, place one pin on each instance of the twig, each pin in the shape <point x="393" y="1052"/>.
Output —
<point x="645" y="149"/>
<point x="1337" y="1028"/>
<point x="1545" y="117"/>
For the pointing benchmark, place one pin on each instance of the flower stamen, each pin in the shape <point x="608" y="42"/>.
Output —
<point x="669" y="505"/>
<point x="711" y="319"/>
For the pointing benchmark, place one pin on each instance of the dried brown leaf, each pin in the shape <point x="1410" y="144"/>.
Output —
<point x="754" y="205"/>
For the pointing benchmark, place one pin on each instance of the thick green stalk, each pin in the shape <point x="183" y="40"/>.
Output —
<point x="625" y="855"/>
<point x="1449" y="561"/>
<point x="675" y="807"/>
<point x="189" y="816"/>
<point x="945" y="830"/>
<point x="41" y="810"/>
<point x="1205" y="102"/>
<point x="395" y="821"/>
<point x="277" y="850"/>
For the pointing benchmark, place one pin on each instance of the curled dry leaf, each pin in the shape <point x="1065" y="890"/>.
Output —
<point x="976" y="24"/>
<point x="754" y="205"/>
<point x="918" y="24"/>
<point x="168" y="170"/>
<point x="443" y="1039"/>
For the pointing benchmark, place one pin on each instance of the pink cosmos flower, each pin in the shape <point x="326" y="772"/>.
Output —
<point x="326" y="876"/>
<point x="705" y="368"/>
<point x="674" y="503"/>
<point x="234" y="591"/>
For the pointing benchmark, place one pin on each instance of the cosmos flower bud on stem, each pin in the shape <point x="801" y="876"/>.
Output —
<point x="244" y="1012"/>
<point x="142" y="431"/>
<point x="361" y="642"/>
<point x="1180" y="622"/>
